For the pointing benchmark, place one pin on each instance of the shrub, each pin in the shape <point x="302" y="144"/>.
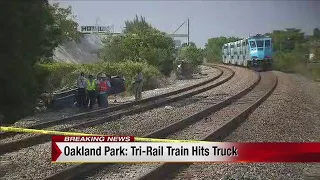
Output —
<point x="288" y="61"/>
<point x="296" y="62"/>
<point x="63" y="75"/>
<point x="313" y="71"/>
<point x="55" y="75"/>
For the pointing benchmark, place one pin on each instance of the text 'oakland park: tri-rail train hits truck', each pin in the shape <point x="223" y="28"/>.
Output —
<point x="255" y="51"/>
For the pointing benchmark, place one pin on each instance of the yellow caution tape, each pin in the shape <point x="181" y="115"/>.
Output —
<point x="36" y="131"/>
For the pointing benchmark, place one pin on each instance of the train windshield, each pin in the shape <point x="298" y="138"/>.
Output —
<point x="252" y="44"/>
<point x="260" y="43"/>
<point x="268" y="43"/>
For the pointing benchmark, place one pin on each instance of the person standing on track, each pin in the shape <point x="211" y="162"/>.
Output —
<point x="138" y="84"/>
<point x="104" y="88"/>
<point x="91" y="91"/>
<point x="82" y="84"/>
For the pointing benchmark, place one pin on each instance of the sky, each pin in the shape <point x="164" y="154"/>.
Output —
<point x="207" y="18"/>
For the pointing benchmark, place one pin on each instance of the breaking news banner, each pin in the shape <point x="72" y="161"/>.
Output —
<point x="120" y="149"/>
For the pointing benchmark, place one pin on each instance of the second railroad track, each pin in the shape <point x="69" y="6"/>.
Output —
<point x="11" y="142"/>
<point x="212" y="123"/>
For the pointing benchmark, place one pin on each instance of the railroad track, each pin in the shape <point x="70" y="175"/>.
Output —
<point x="114" y="108"/>
<point x="241" y="110"/>
<point x="19" y="141"/>
<point x="197" y="127"/>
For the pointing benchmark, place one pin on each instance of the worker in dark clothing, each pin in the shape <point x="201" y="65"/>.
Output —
<point x="138" y="86"/>
<point x="119" y="87"/>
<point x="82" y="84"/>
<point x="91" y="91"/>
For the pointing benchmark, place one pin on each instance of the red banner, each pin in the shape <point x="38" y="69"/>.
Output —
<point x="278" y="152"/>
<point x="103" y="149"/>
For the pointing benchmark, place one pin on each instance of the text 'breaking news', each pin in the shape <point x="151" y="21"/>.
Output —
<point x="120" y="149"/>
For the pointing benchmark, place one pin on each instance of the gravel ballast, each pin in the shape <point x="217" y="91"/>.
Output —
<point x="208" y="72"/>
<point x="198" y="130"/>
<point x="81" y="120"/>
<point x="37" y="158"/>
<point x="290" y="114"/>
<point x="203" y="128"/>
<point x="145" y="123"/>
<point x="243" y="79"/>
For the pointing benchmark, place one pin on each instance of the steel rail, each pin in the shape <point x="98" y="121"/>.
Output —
<point x="42" y="138"/>
<point x="80" y="171"/>
<point x="113" y="108"/>
<point x="167" y="170"/>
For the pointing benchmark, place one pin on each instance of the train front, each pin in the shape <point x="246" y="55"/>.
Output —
<point x="260" y="48"/>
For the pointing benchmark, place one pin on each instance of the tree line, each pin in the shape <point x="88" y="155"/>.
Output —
<point x="31" y="32"/>
<point x="287" y="40"/>
<point x="140" y="42"/>
<point x="291" y="50"/>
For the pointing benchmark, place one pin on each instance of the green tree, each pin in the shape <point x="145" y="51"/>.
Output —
<point x="286" y="40"/>
<point x="316" y="33"/>
<point x="291" y="49"/>
<point x="213" y="48"/>
<point x="31" y="31"/>
<point x="314" y="44"/>
<point x="24" y="27"/>
<point x="192" y="54"/>
<point x="61" y="28"/>
<point x="65" y="20"/>
<point x="136" y="25"/>
<point x="141" y="43"/>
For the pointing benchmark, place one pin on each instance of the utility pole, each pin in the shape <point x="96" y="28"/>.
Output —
<point x="188" y="31"/>
<point x="97" y="25"/>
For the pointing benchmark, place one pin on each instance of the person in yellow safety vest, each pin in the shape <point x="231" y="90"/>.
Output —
<point x="91" y="91"/>
<point x="98" y="79"/>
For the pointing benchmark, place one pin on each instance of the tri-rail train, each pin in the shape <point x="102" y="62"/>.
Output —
<point x="255" y="51"/>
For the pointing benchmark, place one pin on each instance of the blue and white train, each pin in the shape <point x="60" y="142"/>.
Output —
<point x="255" y="51"/>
